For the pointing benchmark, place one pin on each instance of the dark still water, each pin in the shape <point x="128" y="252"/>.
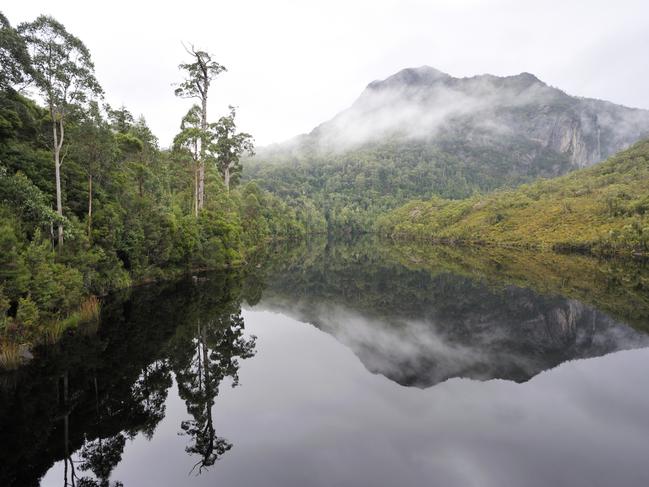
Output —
<point x="348" y="365"/>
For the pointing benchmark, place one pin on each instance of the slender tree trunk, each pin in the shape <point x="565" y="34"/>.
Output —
<point x="58" y="143"/>
<point x="89" y="205"/>
<point x="226" y="177"/>
<point x="196" y="190"/>
<point x="201" y="167"/>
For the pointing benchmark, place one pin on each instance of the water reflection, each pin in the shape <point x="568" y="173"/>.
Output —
<point x="417" y="319"/>
<point x="201" y="363"/>
<point x="420" y="319"/>
<point x="113" y="385"/>
<point x="452" y="327"/>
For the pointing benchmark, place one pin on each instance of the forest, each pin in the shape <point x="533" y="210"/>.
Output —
<point x="90" y="202"/>
<point x="355" y="186"/>
<point x="602" y="210"/>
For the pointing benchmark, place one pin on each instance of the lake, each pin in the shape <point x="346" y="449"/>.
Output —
<point x="348" y="364"/>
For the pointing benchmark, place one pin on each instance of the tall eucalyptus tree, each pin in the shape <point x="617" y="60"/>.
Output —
<point x="64" y="74"/>
<point x="198" y="78"/>
<point x="189" y="140"/>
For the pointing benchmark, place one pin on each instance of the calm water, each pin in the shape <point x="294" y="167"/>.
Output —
<point x="348" y="365"/>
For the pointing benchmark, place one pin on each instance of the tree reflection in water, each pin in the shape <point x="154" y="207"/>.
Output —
<point x="216" y="348"/>
<point x="111" y="385"/>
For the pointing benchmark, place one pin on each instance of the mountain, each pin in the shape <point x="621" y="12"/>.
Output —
<point x="422" y="132"/>
<point x="427" y="104"/>
<point x="602" y="209"/>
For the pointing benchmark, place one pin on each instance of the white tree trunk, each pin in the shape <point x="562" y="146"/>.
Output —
<point x="195" y="190"/>
<point x="226" y="178"/>
<point x="89" y="205"/>
<point x="201" y="167"/>
<point x="58" y="143"/>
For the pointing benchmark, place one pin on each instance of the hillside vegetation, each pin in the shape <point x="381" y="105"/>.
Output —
<point x="353" y="188"/>
<point x="90" y="203"/>
<point x="603" y="209"/>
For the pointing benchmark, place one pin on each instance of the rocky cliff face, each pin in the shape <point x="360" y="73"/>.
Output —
<point x="483" y="111"/>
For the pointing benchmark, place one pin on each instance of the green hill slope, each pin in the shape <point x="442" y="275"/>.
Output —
<point x="602" y="209"/>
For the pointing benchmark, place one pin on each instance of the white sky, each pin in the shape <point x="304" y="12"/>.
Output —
<point x="295" y="63"/>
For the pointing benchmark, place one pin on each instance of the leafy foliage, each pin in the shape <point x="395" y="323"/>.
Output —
<point x="128" y="208"/>
<point x="15" y="65"/>
<point x="354" y="187"/>
<point x="602" y="209"/>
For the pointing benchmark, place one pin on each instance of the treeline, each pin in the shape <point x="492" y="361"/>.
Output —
<point x="353" y="187"/>
<point x="89" y="202"/>
<point x="603" y="209"/>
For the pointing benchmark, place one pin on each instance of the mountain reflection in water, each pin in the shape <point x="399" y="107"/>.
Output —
<point x="417" y="320"/>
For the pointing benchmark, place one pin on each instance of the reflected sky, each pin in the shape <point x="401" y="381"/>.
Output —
<point x="308" y="413"/>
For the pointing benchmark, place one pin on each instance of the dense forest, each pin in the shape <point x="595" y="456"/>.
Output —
<point x="603" y="209"/>
<point x="353" y="187"/>
<point x="90" y="202"/>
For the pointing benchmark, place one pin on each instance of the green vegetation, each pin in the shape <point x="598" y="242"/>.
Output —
<point x="89" y="202"/>
<point x="354" y="187"/>
<point x="603" y="210"/>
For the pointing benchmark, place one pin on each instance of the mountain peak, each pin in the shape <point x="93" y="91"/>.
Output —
<point x="529" y="79"/>
<point x="423" y="75"/>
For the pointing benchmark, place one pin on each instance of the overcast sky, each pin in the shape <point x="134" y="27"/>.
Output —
<point x="295" y="63"/>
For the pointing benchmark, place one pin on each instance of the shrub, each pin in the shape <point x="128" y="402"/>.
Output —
<point x="27" y="313"/>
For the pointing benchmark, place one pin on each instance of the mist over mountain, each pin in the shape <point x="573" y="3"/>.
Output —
<point x="424" y="104"/>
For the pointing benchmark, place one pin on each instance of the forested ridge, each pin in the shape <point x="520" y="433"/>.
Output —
<point x="603" y="209"/>
<point x="354" y="187"/>
<point x="89" y="202"/>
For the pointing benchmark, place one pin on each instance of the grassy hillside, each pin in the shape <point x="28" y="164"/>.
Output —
<point x="602" y="209"/>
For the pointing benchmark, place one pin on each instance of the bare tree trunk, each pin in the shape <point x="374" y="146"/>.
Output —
<point x="58" y="143"/>
<point x="196" y="190"/>
<point x="201" y="167"/>
<point x="89" y="205"/>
